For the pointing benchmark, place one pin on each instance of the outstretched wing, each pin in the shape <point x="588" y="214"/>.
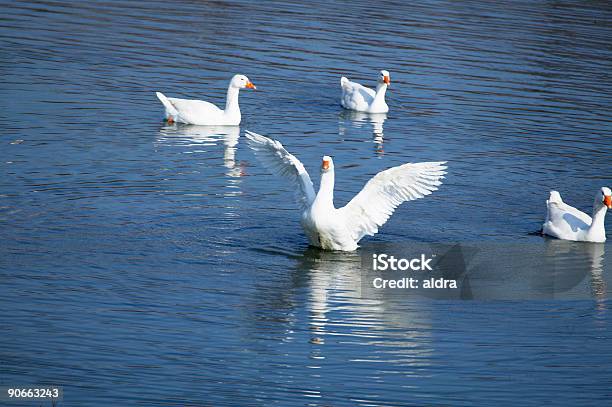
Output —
<point x="375" y="203"/>
<point x="273" y="156"/>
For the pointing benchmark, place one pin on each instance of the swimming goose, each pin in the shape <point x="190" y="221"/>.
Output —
<point x="358" y="97"/>
<point x="341" y="229"/>
<point x="205" y="113"/>
<point x="568" y="223"/>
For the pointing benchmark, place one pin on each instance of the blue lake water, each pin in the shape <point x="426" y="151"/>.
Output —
<point x="151" y="264"/>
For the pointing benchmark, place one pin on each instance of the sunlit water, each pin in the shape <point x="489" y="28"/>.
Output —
<point x="147" y="264"/>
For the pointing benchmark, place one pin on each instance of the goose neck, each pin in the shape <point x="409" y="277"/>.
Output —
<point x="381" y="89"/>
<point x="599" y="215"/>
<point x="231" y="102"/>
<point x="325" y="196"/>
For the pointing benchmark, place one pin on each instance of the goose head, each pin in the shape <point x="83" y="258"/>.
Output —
<point x="241" y="82"/>
<point x="326" y="189"/>
<point x="604" y="198"/>
<point x="384" y="78"/>
<point x="327" y="165"/>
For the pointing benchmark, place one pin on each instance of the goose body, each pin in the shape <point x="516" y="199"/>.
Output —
<point x="332" y="228"/>
<point x="205" y="113"/>
<point x="361" y="99"/>
<point x="568" y="223"/>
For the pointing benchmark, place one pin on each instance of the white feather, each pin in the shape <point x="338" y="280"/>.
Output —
<point x="341" y="229"/>
<point x="565" y="222"/>
<point x="204" y="113"/>
<point x="362" y="99"/>
<point x="273" y="156"/>
<point x="170" y="109"/>
<point x="373" y="206"/>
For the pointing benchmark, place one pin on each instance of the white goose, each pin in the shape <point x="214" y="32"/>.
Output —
<point x="568" y="223"/>
<point x="341" y="229"/>
<point x="205" y="113"/>
<point x="358" y="97"/>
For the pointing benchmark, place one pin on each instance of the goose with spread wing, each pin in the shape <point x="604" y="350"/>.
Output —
<point x="332" y="228"/>
<point x="362" y="99"/>
<point x="568" y="223"/>
<point x="205" y="113"/>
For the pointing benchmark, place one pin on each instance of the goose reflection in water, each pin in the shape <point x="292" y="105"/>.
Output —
<point x="339" y="310"/>
<point x="197" y="137"/>
<point x="359" y="120"/>
<point x="569" y="263"/>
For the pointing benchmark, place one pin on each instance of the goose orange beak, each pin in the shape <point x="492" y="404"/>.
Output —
<point x="608" y="201"/>
<point x="325" y="165"/>
<point x="250" y="85"/>
<point x="387" y="80"/>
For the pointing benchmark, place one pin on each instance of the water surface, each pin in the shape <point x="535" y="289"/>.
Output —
<point x="147" y="264"/>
